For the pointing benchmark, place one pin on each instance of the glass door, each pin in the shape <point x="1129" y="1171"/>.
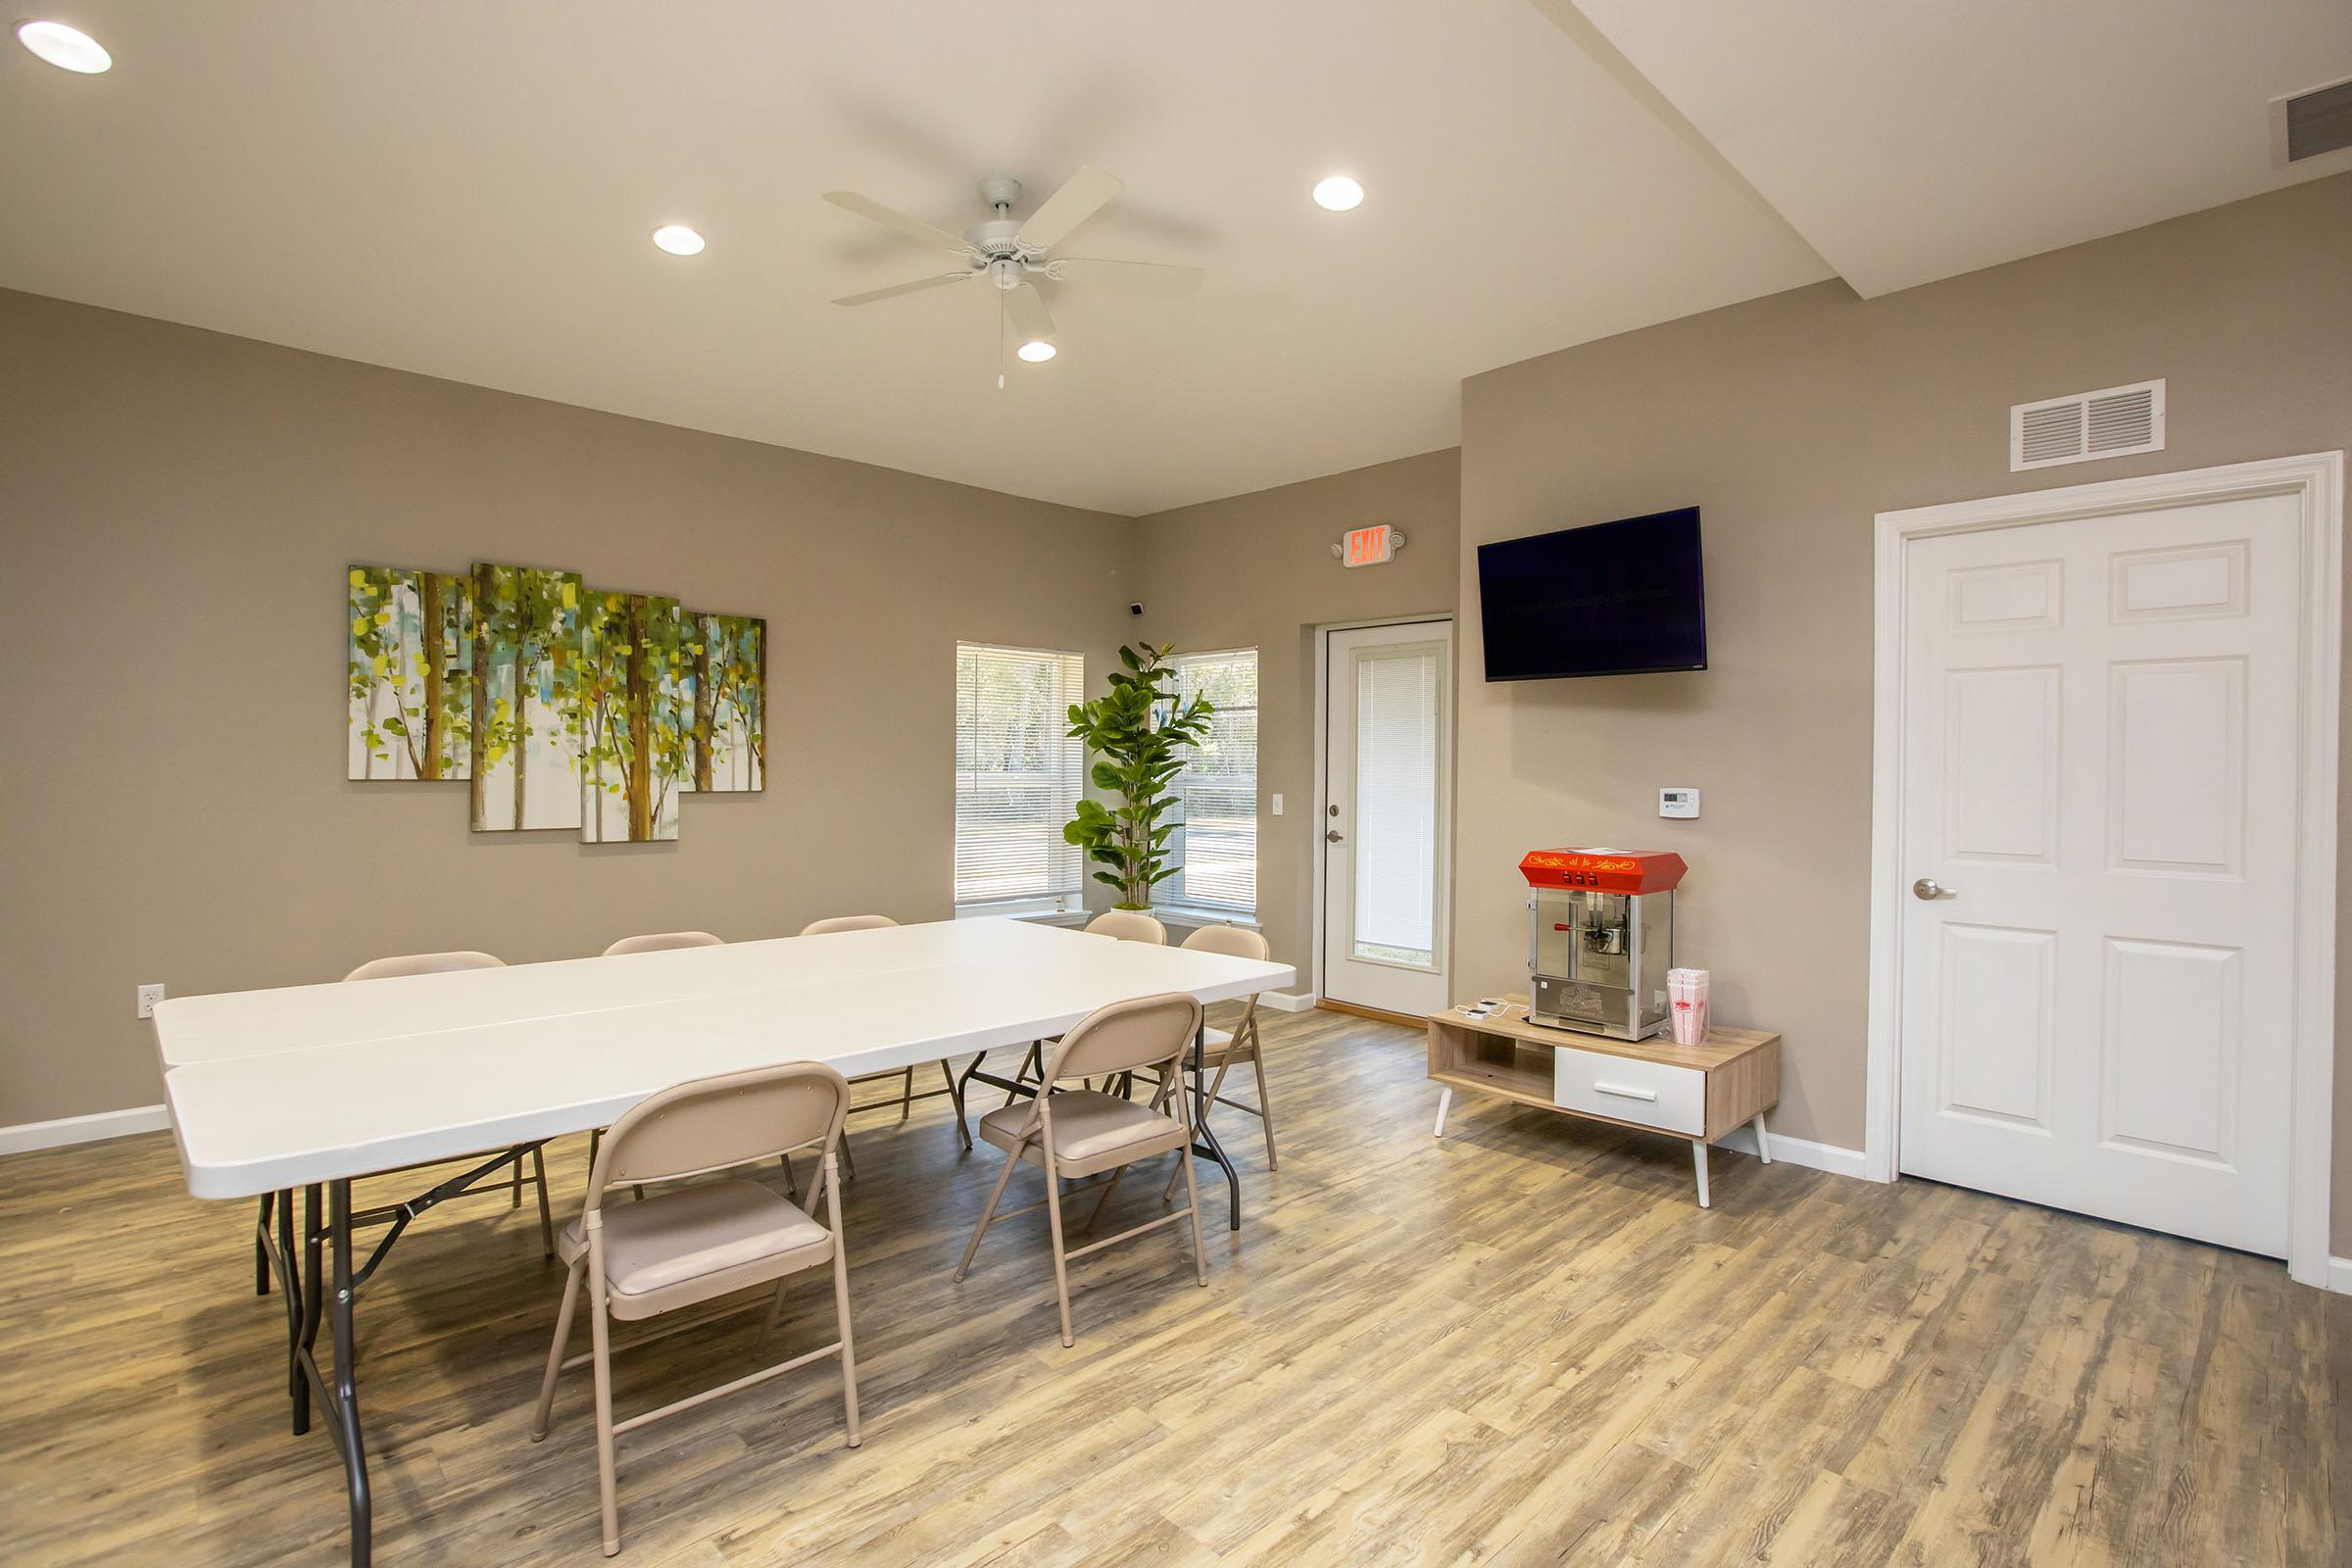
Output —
<point x="1388" y="776"/>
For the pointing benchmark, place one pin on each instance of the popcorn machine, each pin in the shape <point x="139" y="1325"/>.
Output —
<point x="1600" y="939"/>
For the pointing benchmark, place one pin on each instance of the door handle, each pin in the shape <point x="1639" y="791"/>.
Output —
<point x="1927" y="887"/>
<point x="1332" y="835"/>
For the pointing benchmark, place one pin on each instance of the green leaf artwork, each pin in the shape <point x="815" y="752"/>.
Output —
<point x="1138" y="733"/>
<point x="636" y="706"/>
<point x="409" y="653"/>
<point x="566" y="706"/>
<point x="728" y="654"/>
<point x="526" y="665"/>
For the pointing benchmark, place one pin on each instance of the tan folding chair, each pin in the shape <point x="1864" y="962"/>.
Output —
<point x="699" y="1242"/>
<point x="1078" y="1131"/>
<point x="907" y="1097"/>
<point x="1222" y="1050"/>
<point x="663" y="942"/>
<point x="447" y="963"/>
<point x="1120" y="925"/>
<point x="1128" y="925"/>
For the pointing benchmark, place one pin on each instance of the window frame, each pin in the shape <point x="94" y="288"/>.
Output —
<point x="1052" y="899"/>
<point x="1185" y="901"/>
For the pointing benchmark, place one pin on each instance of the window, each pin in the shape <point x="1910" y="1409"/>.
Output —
<point x="1018" y="774"/>
<point x="1217" y="846"/>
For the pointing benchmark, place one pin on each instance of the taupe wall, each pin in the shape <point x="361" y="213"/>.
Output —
<point x="179" y="507"/>
<point x="1791" y="421"/>
<point x="1257" y="571"/>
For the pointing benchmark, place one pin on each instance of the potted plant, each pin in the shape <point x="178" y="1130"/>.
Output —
<point x="1137" y="732"/>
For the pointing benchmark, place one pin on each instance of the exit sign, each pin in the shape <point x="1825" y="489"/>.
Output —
<point x="1370" y="547"/>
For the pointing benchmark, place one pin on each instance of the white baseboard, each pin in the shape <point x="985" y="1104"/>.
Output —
<point x="1287" y="1000"/>
<point x="1798" y="1151"/>
<point x="29" y="1135"/>
<point x="2339" y="1275"/>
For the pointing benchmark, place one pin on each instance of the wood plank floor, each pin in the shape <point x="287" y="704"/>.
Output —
<point x="1521" y="1345"/>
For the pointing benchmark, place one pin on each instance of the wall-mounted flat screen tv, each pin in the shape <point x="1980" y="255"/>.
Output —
<point x="1614" y="599"/>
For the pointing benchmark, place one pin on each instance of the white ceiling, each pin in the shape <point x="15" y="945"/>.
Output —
<point x="467" y="189"/>
<point x="1912" y="140"/>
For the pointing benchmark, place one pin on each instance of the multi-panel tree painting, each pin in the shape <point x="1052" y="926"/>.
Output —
<point x="565" y="706"/>
<point x="528" y="656"/>
<point x="730" y="689"/>
<point x="411" y="665"/>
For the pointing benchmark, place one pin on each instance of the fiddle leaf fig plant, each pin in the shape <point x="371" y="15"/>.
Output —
<point x="1137" y="733"/>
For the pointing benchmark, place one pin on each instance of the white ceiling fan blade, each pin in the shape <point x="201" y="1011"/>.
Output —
<point x="1140" y="277"/>
<point x="897" y="289"/>
<point x="1080" y="198"/>
<point x="897" y="222"/>
<point x="1032" y="323"/>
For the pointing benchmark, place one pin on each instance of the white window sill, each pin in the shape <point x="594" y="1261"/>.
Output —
<point x="1193" y="915"/>
<point x="1022" y="909"/>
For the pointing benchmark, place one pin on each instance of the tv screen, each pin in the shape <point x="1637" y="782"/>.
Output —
<point x="1614" y="599"/>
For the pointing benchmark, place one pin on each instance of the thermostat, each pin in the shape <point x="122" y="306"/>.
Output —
<point x="1678" y="801"/>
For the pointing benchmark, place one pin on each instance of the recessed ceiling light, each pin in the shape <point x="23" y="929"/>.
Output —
<point x="678" y="239"/>
<point x="1338" y="193"/>
<point x="68" y="48"/>
<point x="1037" y="352"/>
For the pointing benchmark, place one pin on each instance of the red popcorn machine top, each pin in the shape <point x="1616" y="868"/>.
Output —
<point x="1601" y="937"/>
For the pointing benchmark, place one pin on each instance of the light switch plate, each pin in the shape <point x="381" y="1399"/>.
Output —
<point x="1277" y="806"/>
<point x="1678" y="801"/>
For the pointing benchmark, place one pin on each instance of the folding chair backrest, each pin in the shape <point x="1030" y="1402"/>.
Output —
<point x="1145" y="1032"/>
<point x="1234" y="940"/>
<point x="663" y="942"/>
<point x="424" y="963"/>
<point x="714" y="1124"/>
<point x="846" y="922"/>
<point x="1128" y="925"/>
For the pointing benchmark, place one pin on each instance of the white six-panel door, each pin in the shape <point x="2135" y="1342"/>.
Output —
<point x="2099" y="763"/>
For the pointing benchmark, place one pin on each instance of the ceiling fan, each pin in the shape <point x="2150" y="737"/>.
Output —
<point x="1012" y="254"/>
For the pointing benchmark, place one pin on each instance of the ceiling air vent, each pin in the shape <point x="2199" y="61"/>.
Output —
<point x="2311" y="124"/>
<point x="2107" y="423"/>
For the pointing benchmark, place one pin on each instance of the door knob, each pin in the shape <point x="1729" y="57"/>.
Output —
<point x="1332" y="835"/>
<point x="1927" y="887"/>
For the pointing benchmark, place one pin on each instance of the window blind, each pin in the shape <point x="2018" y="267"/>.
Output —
<point x="1396" y="698"/>
<point x="1018" y="774"/>
<point x="1216" y="848"/>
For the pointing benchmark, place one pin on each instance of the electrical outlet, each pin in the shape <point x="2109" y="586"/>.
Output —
<point x="148" y="997"/>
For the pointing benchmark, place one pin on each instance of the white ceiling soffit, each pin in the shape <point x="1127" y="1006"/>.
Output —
<point x="1910" y="141"/>
<point x="467" y="190"/>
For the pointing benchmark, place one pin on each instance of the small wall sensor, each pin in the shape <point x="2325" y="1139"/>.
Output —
<point x="1678" y="801"/>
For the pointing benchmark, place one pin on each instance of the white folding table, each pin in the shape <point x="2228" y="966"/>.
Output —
<point x="311" y="1087"/>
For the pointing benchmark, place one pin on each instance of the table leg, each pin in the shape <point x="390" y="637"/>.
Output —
<point x="312" y="1286"/>
<point x="1763" y="1141"/>
<point x="343" y="1401"/>
<point x="1204" y="1139"/>
<point x="287" y="1262"/>
<point x="1445" y="1104"/>
<point x="1699" y="1158"/>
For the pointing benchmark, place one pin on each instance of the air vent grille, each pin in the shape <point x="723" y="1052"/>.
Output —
<point x="2312" y="123"/>
<point x="2077" y="428"/>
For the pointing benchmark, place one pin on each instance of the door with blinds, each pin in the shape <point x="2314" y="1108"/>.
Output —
<point x="1385" y="818"/>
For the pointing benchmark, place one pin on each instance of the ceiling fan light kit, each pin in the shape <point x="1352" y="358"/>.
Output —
<point x="1013" y="253"/>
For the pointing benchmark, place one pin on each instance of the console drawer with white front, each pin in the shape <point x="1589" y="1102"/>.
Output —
<point x="1698" y="1093"/>
<point x="1673" y="1100"/>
